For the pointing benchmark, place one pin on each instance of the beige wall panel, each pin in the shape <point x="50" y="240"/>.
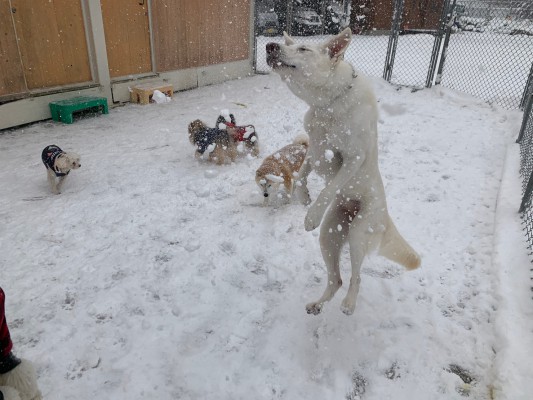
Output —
<point x="127" y="35"/>
<point x="11" y="74"/>
<point x="52" y="42"/>
<point x="197" y="33"/>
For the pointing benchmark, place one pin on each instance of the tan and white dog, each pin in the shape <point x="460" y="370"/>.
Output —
<point x="282" y="166"/>
<point x="58" y="164"/>
<point x="342" y="127"/>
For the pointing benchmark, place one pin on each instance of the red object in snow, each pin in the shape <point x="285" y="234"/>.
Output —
<point x="5" y="340"/>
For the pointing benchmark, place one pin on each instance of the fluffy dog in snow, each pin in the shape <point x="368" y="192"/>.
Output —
<point x="58" y="164"/>
<point x="217" y="143"/>
<point x="282" y="167"/>
<point x="18" y="380"/>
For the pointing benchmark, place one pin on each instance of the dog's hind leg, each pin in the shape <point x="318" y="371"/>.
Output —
<point x="333" y="233"/>
<point x="301" y="184"/>
<point x="395" y="248"/>
<point x="60" y="183"/>
<point x="254" y="148"/>
<point x="52" y="180"/>
<point x="287" y="183"/>
<point x="358" y="241"/>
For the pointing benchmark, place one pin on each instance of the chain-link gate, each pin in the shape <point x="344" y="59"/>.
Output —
<point x="314" y="20"/>
<point x="481" y="47"/>
<point x="415" y="42"/>
<point x="489" y="49"/>
<point x="396" y="40"/>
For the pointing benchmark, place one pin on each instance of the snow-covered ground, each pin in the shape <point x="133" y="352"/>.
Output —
<point x="158" y="276"/>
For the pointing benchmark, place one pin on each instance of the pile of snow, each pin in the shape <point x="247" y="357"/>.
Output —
<point x="156" y="275"/>
<point x="495" y="25"/>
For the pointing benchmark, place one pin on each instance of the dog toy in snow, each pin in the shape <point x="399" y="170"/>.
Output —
<point x="243" y="133"/>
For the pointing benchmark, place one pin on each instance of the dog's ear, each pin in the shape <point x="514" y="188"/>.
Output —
<point x="338" y="44"/>
<point x="288" y="39"/>
<point x="232" y="119"/>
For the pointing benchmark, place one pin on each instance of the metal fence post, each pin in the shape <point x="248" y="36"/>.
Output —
<point x="323" y="11"/>
<point x="528" y="109"/>
<point x="289" y="16"/>
<point x="527" y="195"/>
<point x="528" y="89"/>
<point x="393" y="40"/>
<point x="451" y="20"/>
<point x="527" y="122"/>
<point x="436" y="52"/>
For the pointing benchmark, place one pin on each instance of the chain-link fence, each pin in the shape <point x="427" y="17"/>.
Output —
<point x="314" y="20"/>
<point x="525" y="140"/>
<point x="402" y="27"/>
<point x="481" y="47"/>
<point x="490" y="49"/>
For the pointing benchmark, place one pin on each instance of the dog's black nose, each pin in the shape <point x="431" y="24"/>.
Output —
<point x="265" y="194"/>
<point x="273" y="51"/>
<point x="272" y="48"/>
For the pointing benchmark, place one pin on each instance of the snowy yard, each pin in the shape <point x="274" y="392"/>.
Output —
<point x="156" y="276"/>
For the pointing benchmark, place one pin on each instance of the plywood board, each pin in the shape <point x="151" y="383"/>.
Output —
<point x="127" y="36"/>
<point x="197" y="33"/>
<point x="51" y="37"/>
<point x="11" y="73"/>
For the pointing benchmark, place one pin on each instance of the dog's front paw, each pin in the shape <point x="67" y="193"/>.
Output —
<point x="304" y="197"/>
<point x="312" y="219"/>
<point x="302" y="193"/>
<point x="347" y="306"/>
<point x="314" y="308"/>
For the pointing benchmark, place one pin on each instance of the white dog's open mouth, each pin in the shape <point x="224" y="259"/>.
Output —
<point x="276" y="63"/>
<point x="281" y="64"/>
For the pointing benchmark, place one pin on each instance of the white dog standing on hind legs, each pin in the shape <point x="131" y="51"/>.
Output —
<point x="342" y="126"/>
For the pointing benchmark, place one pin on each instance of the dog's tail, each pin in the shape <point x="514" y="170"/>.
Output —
<point x="301" y="139"/>
<point x="395" y="248"/>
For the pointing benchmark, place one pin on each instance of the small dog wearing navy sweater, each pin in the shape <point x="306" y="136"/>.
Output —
<point x="58" y="164"/>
